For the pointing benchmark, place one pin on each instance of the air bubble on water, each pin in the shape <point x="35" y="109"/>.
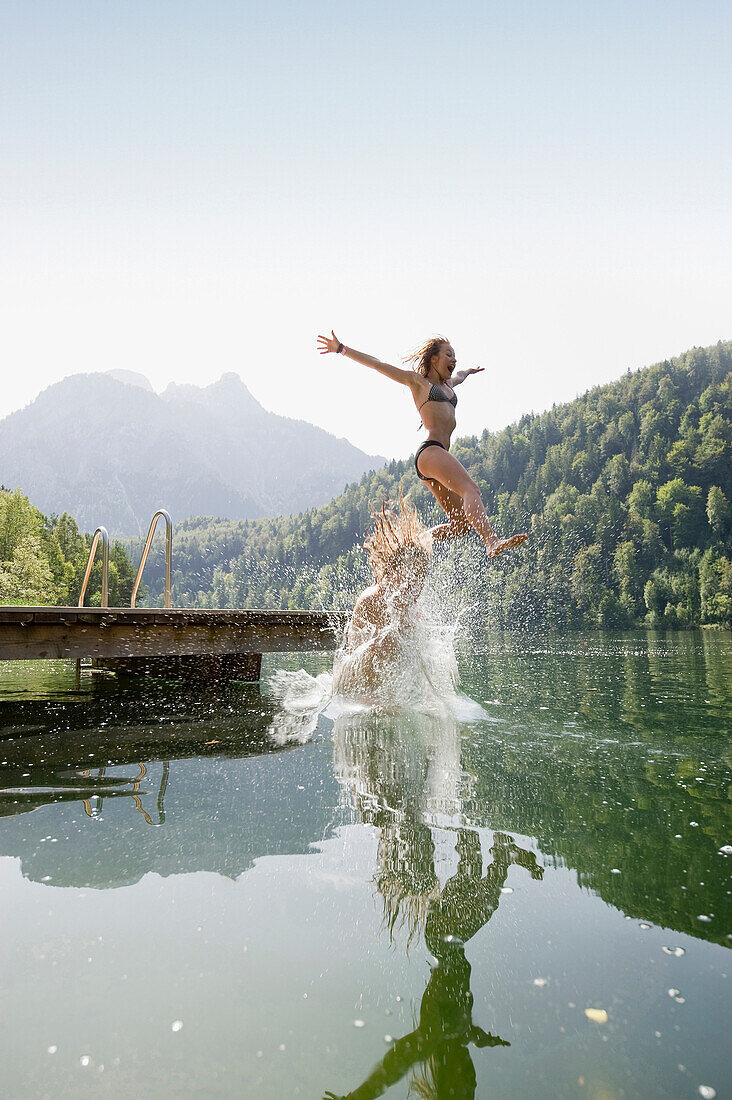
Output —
<point x="176" y="1025"/>
<point x="645" y="927"/>
<point x="694" y="824"/>
<point x="387" y="1012"/>
<point x="707" y="1092"/>
<point x="52" y="1050"/>
<point x="541" y="982"/>
<point x="85" y="1060"/>
<point x="398" y="999"/>
<point x="677" y="952"/>
<point x="680" y="1000"/>
<point x="657" y="1034"/>
<point x="388" y="1039"/>
<point x="359" y="1023"/>
<point x="615" y="871"/>
<point x="674" y="992"/>
<point x="281" y="1046"/>
<point x="725" y="850"/>
<point x="507" y="889"/>
<point x="704" y="918"/>
<point x="677" y="836"/>
<point x="453" y="939"/>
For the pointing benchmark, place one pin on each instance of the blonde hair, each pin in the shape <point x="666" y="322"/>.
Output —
<point x="421" y="357"/>
<point x="395" y="537"/>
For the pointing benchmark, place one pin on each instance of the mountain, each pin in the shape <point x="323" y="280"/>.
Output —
<point x="626" y="492"/>
<point x="107" y="449"/>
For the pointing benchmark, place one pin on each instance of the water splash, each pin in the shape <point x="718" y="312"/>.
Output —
<point x="408" y="664"/>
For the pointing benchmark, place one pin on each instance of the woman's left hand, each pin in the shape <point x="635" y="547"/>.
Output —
<point x="461" y="375"/>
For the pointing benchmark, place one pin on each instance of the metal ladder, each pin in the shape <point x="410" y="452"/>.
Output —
<point x="101" y="532"/>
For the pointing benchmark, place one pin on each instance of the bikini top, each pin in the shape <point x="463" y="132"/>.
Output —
<point x="436" y="394"/>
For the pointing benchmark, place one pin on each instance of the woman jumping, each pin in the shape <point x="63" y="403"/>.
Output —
<point x="432" y="384"/>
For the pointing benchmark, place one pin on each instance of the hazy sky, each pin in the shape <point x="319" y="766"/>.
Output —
<point x="190" y="188"/>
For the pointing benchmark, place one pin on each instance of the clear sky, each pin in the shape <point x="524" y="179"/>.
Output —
<point x="189" y="188"/>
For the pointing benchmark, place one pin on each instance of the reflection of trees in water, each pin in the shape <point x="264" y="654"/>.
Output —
<point x="645" y="680"/>
<point x="618" y="785"/>
<point x="401" y="774"/>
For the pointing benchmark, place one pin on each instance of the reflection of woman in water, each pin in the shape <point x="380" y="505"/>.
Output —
<point x="399" y="551"/>
<point x="446" y="1027"/>
<point x="385" y="766"/>
<point x="432" y="383"/>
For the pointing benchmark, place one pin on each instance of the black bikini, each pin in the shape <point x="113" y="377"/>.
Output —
<point x="435" y="394"/>
<point x="429" y="443"/>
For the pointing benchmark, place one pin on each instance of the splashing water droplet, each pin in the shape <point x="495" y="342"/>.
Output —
<point x="507" y="889"/>
<point x="541" y="982"/>
<point x="388" y="1039"/>
<point x="704" y="918"/>
<point x="84" y="1060"/>
<point x="725" y="850"/>
<point x="707" y="1092"/>
<point x="359" y="1023"/>
<point x="52" y="1050"/>
<point x="677" y="952"/>
<point x="176" y="1025"/>
<point x="674" y="992"/>
<point x="615" y="871"/>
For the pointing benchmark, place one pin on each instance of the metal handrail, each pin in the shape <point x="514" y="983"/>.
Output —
<point x="168" y="554"/>
<point x="105" y="566"/>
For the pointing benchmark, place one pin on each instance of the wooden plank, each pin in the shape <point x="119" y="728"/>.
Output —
<point x="38" y="633"/>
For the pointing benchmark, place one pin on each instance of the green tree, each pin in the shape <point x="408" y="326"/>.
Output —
<point x="718" y="512"/>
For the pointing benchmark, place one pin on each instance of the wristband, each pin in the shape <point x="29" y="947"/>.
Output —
<point x="341" y="349"/>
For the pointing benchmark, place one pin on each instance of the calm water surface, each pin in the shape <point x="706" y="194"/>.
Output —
<point x="533" y="903"/>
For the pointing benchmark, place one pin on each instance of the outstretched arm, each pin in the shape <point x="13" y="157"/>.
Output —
<point x="331" y="343"/>
<point x="461" y="375"/>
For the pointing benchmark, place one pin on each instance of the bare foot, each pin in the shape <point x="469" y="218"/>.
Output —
<point x="497" y="547"/>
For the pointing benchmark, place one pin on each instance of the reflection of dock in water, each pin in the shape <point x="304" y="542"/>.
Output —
<point x="89" y="799"/>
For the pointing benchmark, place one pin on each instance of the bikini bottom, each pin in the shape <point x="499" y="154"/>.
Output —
<point x="429" y="443"/>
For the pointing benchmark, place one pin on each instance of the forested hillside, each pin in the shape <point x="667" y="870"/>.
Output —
<point x="42" y="561"/>
<point x="626" y="492"/>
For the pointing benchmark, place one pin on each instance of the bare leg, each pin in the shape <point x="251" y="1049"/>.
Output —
<point x="452" y="505"/>
<point x="450" y="483"/>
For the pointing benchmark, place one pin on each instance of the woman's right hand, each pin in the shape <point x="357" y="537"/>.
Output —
<point x="328" y="343"/>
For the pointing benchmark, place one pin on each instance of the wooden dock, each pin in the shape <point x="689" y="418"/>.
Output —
<point x="201" y="644"/>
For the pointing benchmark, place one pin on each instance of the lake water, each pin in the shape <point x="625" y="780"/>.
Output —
<point x="529" y="901"/>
